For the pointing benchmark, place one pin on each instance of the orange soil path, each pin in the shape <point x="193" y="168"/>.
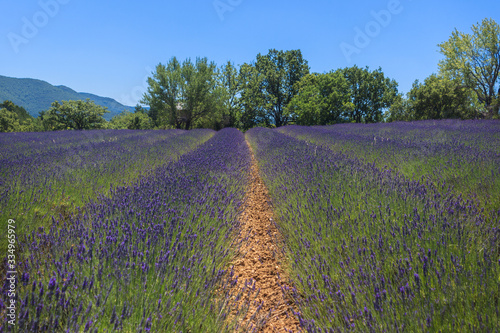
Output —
<point x="259" y="261"/>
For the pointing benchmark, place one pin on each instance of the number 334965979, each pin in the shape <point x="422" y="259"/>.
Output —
<point x="12" y="242"/>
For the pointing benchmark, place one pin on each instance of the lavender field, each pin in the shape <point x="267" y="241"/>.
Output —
<point x="387" y="227"/>
<point x="148" y="252"/>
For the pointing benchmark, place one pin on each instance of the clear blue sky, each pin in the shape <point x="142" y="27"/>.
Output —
<point x="109" y="47"/>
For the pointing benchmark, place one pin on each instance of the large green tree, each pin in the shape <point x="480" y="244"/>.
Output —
<point x="270" y="84"/>
<point x="15" y="118"/>
<point x="21" y="112"/>
<point x="129" y="120"/>
<point x="321" y="99"/>
<point x="474" y="59"/>
<point x="164" y="94"/>
<point x="399" y="110"/>
<point x="200" y="93"/>
<point x="230" y="90"/>
<point x="9" y="121"/>
<point x="78" y="115"/>
<point x="182" y="95"/>
<point x="437" y="97"/>
<point x="370" y="93"/>
<point x="440" y="98"/>
<point x="251" y="101"/>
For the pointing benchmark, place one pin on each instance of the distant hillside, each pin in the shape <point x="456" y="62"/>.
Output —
<point x="36" y="95"/>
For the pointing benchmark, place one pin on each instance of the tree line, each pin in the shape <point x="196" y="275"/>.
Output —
<point x="278" y="89"/>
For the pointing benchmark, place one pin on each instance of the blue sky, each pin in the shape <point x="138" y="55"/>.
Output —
<point x="110" y="47"/>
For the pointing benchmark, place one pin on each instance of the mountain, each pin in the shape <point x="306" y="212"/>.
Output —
<point x="37" y="95"/>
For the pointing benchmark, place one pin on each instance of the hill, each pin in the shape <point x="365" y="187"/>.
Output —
<point x="37" y="95"/>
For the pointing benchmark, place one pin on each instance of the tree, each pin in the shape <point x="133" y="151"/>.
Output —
<point x="230" y="89"/>
<point x="9" y="121"/>
<point x="251" y="101"/>
<point x="370" y="93"/>
<point x="78" y="115"/>
<point x="399" y="110"/>
<point x="128" y="120"/>
<point x="200" y="93"/>
<point x="48" y="123"/>
<point x="321" y="99"/>
<point x="21" y="112"/>
<point x="14" y="118"/>
<point x="140" y="109"/>
<point x="437" y="97"/>
<point x="474" y="60"/>
<point x="164" y="94"/>
<point x="440" y="98"/>
<point x="269" y="86"/>
<point x="180" y="95"/>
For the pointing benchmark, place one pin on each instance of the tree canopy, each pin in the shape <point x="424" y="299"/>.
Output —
<point x="321" y="99"/>
<point x="271" y="84"/>
<point x="127" y="120"/>
<point x="230" y="88"/>
<point x="78" y="115"/>
<point x="437" y="97"/>
<point x="14" y="118"/>
<point x="474" y="60"/>
<point x="179" y="95"/>
<point x="9" y="122"/>
<point x="370" y="94"/>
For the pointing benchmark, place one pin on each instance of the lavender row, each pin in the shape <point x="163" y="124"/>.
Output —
<point x="24" y="160"/>
<point x="148" y="257"/>
<point x="464" y="154"/>
<point x="373" y="250"/>
<point x="20" y="144"/>
<point x="54" y="180"/>
<point x="476" y="134"/>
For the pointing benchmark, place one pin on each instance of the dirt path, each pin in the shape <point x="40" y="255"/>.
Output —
<point x="259" y="261"/>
